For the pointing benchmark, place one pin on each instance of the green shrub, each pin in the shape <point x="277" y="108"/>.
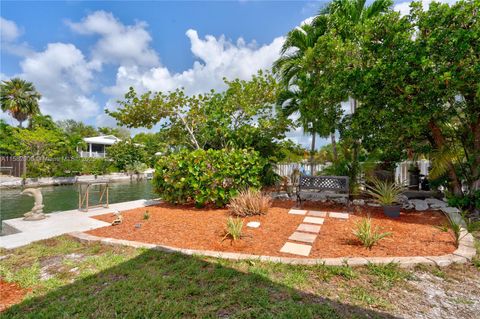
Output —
<point x="368" y="235"/>
<point x="97" y="166"/>
<point x="465" y="202"/>
<point x="206" y="177"/>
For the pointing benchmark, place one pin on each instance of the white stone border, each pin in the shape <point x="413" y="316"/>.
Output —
<point x="463" y="254"/>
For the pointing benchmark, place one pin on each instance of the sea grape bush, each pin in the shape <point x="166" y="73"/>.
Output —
<point x="207" y="177"/>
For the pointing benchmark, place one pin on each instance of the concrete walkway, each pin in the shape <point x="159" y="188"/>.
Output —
<point x="60" y="223"/>
<point x="308" y="230"/>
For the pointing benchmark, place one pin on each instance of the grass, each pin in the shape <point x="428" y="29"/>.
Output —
<point x="386" y="275"/>
<point x="75" y="280"/>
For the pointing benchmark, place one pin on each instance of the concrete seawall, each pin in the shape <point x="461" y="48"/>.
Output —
<point x="18" y="182"/>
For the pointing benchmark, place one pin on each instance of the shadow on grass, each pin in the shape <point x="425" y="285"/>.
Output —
<point x="162" y="285"/>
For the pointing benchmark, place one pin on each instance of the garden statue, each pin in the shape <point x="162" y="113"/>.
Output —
<point x="37" y="210"/>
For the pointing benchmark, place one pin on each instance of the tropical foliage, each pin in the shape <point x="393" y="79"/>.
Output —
<point x="20" y="99"/>
<point x="243" y="116"/>
<point x="207" y="177"/>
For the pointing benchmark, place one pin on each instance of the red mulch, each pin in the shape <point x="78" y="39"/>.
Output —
<point x="413" y="234"/>
<point x="10" y="294"/>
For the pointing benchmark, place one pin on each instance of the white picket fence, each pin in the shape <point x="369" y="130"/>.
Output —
<point x="401" y="171"/>
<point x="286" y="169"/>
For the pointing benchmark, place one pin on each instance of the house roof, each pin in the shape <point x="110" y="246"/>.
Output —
<point x="104" y="140"/>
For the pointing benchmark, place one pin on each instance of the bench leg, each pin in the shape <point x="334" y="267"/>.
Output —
<point x="299" y="201"/>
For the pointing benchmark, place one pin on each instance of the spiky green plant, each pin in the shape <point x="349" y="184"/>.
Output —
<point x="234" y="228"/>
<point x="368" y="235"/>
<point x="456" y="225"/>
<point x="384" y="192"/>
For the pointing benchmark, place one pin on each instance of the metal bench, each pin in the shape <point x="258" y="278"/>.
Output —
<point x="338" y="184"/>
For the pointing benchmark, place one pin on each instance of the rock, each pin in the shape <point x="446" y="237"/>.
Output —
<point x="281" y="196"/>
<point x="402" y="199"/>
<point x="253" y="224"/>
<point x="450" y="210"/>
<point x="435" y="203"/>
<point x="358" y="202"/>
<point x="372" y="204"/>
<point x="419" y="204"/>
<point x="408" y="205"/>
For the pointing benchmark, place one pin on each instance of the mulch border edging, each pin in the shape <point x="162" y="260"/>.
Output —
<point x="463" y="254"/>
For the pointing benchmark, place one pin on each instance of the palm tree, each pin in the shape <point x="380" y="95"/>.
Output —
<point x="19" y="98"/>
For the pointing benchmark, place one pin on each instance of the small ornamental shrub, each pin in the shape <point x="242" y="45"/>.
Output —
<point x="146" y="215"/>
<point x="384" y="192"/>
<point x="234" y="228"/>
<point x="456" y="227"/>
<point x="249" y="202"/>
<point x="368" y="235"/>
<point x="206" y="177"/>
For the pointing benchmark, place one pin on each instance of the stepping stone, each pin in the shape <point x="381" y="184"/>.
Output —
<point x="317" y="213"/>
<point x="304" y="237"/>
<point x="338" y="215"/>
<point x="297" y="212"/>
<point x="314" y="220"/>
<point x="296" y="249"/>
<point x="309" y="228"/>
<point x="253" y="224"/>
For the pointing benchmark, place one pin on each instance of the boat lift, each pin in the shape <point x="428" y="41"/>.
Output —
<point x="85" y="188"/>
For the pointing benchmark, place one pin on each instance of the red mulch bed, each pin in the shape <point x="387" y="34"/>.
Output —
<point x="10" y="294"/>
<point x="413" y="234"/>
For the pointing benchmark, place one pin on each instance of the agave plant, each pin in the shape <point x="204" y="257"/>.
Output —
<point x="384" y="192"/>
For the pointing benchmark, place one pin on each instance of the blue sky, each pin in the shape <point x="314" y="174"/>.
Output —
<point x="82" y="56"/>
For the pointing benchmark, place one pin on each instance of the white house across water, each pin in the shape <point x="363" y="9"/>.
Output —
<point x="97" y="146"/>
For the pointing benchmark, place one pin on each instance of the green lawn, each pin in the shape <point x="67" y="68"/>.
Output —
<point x="74" y="280"/>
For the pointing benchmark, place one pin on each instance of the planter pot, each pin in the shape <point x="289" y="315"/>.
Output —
<point x="392" y="211"/>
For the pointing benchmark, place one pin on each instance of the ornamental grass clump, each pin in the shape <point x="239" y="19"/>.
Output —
<point x="234" y="228"/>
<point x="384" y="192"/>
<point x="368" y="235"/>
<point x="249" y="202"/>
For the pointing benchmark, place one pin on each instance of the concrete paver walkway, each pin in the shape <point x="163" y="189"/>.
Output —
<point x="314" y="220"/>
<point x="60" y="223"/>
<point x="303" y="237"/>
<point x="309" y="228"/>
<point x="296" y="249"/>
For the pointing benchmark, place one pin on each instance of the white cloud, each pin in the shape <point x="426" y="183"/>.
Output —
<point x="404" y="7"/>
<point x="9" y="31"/>
<point x="118" y="43"/>
<point x="216" y="58"/>
<point x="9" y="34"/>
<point x="64" y="78"/>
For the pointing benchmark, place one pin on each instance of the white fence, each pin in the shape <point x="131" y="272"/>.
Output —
<point x="401" y="171"/>
<point x="402" y="174"/>
<point x="286" y="169"/>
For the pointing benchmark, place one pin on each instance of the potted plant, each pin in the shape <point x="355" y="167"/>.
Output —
<point x="386" y="194"/>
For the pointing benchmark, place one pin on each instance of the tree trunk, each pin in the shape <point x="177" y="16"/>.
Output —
<point x="334" y="147"/>
<point x="440" y="143"/>
<point x="476" y="153"/>
<point x="312" y="152"/>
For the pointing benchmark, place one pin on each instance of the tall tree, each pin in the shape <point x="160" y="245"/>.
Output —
<point x="20" y="99"/>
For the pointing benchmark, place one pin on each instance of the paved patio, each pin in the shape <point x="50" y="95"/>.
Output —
<point x="60" y="223"/>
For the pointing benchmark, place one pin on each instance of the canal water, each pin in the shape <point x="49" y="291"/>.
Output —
<point x="65" y="197"/>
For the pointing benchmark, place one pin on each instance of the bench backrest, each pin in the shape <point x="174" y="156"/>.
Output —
<point x="333" y="183"/>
